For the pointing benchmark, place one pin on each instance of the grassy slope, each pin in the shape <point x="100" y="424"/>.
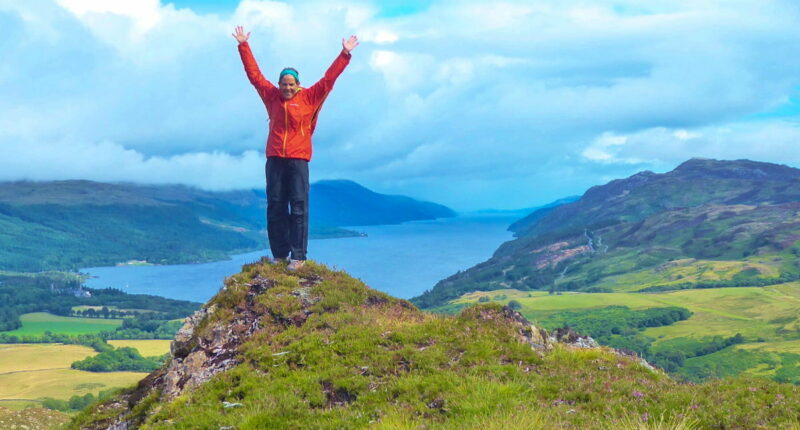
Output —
<point x="363" y="359"/>
<point x="31" y="418"/>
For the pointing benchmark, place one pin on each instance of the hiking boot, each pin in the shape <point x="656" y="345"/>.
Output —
<point x="295" y="264"/>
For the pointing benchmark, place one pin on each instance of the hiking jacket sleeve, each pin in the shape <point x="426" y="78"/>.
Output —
<point x="320" y="90"/>
<point x="263" y="86"/>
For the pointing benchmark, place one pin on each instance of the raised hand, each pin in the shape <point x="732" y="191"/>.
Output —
<point x="239" y="34"/>
<point x="349" y="44"/>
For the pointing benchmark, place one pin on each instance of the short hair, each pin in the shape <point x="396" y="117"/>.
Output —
<point x="290" y="71"/>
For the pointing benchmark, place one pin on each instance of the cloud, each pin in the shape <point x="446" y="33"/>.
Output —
<point x="111" y="162"/>
<point x="473" y="103"/>
<point x="777" y="140"/>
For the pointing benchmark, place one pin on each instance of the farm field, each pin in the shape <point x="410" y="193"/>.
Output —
<point x="37" y="323"/>
<point x="147" y="347"/>
<point x="29" y="372"/>
<point x="769" y="313"/>
<point x="61" y="383"/>
<point x="28" y="357"/>
<point x="767" y="317"/>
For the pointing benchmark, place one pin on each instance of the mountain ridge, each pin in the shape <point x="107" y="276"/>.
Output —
<point x="674" y="189"/>
<point x="77" y="223"/>
<point x="562" y="239"/>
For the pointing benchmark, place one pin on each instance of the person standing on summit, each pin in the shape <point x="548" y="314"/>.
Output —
<point x="293" y="112"/>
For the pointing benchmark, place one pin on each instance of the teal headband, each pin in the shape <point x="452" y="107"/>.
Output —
<point x="289" y="71"/>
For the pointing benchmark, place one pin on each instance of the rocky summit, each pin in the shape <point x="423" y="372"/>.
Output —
<point x="317" y="349"/>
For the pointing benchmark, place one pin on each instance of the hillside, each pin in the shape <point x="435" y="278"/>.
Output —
<point x="72" y="224"/>
<point x="720" y="239"/>
<point x="706" y="223"/>
<point x="318" y="349"/>
<point x="346" y="203"/>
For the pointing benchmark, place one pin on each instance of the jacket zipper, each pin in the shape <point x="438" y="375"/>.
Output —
<point x="285" y="125"/>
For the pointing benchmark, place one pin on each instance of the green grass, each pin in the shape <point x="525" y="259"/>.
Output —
<point x="781" y="366"/>
<point x="689" y="270"/>
<point x="39" y="322"/>
<point x="790" y="346"/>
<point x="362" y="359"/>
<point x="756" y="312"/>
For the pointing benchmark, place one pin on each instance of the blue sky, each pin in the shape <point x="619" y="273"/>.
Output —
<point x="385" y="9"/>
<point x="474" y="104"/>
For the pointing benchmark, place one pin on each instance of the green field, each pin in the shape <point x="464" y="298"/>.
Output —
<point x="689" y="270"/>
<point x="39" y="322"/>
<point x="768" y="313"/>
<point x="767" y="317"/>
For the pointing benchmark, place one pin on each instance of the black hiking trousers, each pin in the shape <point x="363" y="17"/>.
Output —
<point x="287" y="207"/>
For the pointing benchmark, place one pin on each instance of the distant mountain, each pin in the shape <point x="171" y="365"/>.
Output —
<point x="346" y="203"/>
<point x="535" y="214"/>
<point x="743" y="212"/>
<point x="694" y="183"/>
<point x="72" y="224"/>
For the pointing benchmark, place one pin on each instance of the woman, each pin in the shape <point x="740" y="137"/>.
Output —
<point x="292" y="112"/>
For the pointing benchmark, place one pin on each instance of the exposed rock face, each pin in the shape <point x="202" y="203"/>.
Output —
<point x="199" y="351"/>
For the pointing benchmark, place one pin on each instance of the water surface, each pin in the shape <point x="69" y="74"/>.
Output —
<point x="403" y="260"/>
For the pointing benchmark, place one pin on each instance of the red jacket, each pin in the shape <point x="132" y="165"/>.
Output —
<point x="291" y="122"/>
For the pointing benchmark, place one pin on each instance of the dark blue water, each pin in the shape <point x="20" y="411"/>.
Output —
<point x="403" y="260"/>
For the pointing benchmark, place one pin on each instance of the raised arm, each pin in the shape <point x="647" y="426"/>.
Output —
<point x="249" y="61"/>
<point x="320" y="90"/>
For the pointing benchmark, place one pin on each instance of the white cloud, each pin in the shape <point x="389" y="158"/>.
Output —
<point x="109" y="161"/>
<point x="496" y="96"/>
<point x="144" y="13"/>
<point x="773" y="140"/>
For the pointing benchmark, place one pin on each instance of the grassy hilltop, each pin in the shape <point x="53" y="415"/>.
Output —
<point x="318" y="349"/>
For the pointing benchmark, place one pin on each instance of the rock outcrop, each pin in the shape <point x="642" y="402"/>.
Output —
<point x="211" y="340"/>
